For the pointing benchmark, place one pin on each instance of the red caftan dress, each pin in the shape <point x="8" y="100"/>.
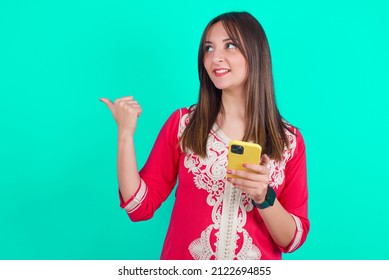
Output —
<point x="211" y="219"/>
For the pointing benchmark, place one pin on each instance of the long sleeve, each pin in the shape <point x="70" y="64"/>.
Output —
<point x="294" y="196"/>
<point x="159" y="174"/>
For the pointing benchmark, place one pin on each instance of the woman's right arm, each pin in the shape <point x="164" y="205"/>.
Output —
<point x="126" y="111"/>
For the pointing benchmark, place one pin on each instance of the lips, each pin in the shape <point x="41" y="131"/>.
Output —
<point x="219" y="72"/>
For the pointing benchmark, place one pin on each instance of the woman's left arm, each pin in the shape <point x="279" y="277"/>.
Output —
<point x="286" y="220"/>
<point x="279" y="223"/>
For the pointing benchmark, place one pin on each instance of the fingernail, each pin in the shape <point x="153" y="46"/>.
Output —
<point x="244" y="165"/>
<point x="100" y="100"/>
<point x="229" y="179"/>
<point x="229" y="171"/>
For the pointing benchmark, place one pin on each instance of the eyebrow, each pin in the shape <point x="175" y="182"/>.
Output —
<point x="224" y="40"/>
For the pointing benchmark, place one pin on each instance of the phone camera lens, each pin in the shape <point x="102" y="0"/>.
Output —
<point x="237" y="149"/>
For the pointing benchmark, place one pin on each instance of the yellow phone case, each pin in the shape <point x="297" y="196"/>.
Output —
<point x="240" y="152"/>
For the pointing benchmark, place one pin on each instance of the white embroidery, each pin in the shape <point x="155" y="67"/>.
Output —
<point x="209" y="173"/>
<point x="277" y="168"/>
<point x="200" y="249"/>
<point x="249" y="251"/>
<point x="138" y="199"/>
<point x="229" y="205"/>
<point x="299" y="233"/>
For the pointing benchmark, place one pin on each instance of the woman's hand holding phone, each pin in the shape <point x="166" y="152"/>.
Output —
<point x="246" y="171"/>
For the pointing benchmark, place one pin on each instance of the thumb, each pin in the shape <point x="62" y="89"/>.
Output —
<point x="108" y="102"/>
<point x="264" y="159"/>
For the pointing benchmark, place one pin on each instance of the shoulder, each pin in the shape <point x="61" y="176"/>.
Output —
<point x="180" y="118"/>
<point x="185" y="116"/>
<point x="183" y="112"/>
<point x="293" y="134"/>
<point x="295" y="142"/>
<point x="187" y="112"/>
<point x="178" y="114"/>
<point x="292" y="156"/>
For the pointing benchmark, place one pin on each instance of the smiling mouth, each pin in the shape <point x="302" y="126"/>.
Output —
<point x="221" y="72"/>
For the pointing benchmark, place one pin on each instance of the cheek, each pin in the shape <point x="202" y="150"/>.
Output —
<point x="206" y="63"/>
<point x="208" y="69"/>
<point x="241" y="63"/>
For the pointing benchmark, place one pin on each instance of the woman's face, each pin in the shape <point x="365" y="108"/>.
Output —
<point x="224" y="63"/>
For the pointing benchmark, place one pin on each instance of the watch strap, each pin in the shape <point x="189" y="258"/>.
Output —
<point x="269" y="199"/>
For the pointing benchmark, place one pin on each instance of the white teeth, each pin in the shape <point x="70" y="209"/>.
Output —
<point x="221" y="71"/>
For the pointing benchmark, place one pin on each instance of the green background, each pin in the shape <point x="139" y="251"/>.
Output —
<point x="58" y="188"/>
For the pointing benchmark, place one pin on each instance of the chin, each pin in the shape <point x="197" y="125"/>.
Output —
<point x="221" y="87"/>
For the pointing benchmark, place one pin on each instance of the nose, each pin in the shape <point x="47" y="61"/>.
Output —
<point x="217" y="56"/>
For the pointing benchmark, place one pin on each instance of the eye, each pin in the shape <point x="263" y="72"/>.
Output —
<point x="231" y="46"/>
<point x="208" y="48"/>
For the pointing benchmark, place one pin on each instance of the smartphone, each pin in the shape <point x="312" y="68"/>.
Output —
<point x="240" y="152"/>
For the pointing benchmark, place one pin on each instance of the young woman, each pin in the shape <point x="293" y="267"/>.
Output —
<point x="256" y="215"/>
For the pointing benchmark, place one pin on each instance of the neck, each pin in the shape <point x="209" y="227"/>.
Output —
<point x="233" y="105"/>
<point x="231" y="118"/>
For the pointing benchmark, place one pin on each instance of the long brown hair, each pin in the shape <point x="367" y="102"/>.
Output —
<point x="264" y="124"/>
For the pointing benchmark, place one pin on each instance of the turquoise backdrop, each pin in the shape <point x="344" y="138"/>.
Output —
<point x="58" y="188"/>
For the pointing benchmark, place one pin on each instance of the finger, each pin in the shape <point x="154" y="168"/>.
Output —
<point x="124" y="98"/>
<point x="126" y="103"/>
<point x="251" y="192"/>
<point x="129" y="102"/>
<point x="248" y="175"/>
<point x="264" y="159"/>
<point x="108" y="102"/>
<point x="133" y="109"/>
<point x="138" y="110"/>
<point x="248" y="184"/>
<point x="256" y="168"/>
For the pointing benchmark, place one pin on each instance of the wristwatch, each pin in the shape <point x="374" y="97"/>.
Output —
<point x="269" y="199"/>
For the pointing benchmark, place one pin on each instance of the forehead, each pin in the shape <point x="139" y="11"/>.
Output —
<point x="216" y="32"/>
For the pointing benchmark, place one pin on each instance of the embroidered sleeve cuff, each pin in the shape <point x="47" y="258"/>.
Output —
<point x="136" y="200"/>
<point x="297" y="236"/>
